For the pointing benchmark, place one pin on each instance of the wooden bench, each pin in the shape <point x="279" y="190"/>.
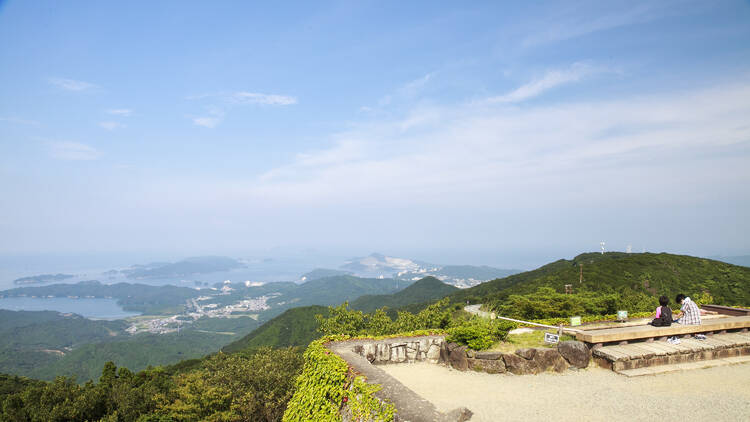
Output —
<point x="622" y="335"/>
<point x="726" y="310"/>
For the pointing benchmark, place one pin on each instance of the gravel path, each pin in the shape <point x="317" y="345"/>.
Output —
<point x="714" y="394"/>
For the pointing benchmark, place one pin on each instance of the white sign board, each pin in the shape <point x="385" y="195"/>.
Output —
<point x="551" y="338"/>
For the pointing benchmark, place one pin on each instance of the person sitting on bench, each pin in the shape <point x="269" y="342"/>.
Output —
<point x="663" y="314"/>
<point x="689" y="313"/>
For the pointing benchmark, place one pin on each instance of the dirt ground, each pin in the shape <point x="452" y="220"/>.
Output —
<point x="713" y="394"/>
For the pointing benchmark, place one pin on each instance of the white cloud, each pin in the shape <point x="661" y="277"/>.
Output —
<point x="215" y="116"/>
<point x="73" y="151"/>
<point x="242" y="97"/>
<point x="124" y="112"/>
<point x="224" y="102"/>
<point x="402" y="94"/>
<point x="71" y="84"/>
<point x="500" y="154"/>
<point x="412" y="88"/>
<point x="111" y="125"/>
<point x="209" y="122"/>
<point x="551" y="79"/>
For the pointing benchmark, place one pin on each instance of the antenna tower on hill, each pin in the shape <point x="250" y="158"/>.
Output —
<point x="602" y="245"/>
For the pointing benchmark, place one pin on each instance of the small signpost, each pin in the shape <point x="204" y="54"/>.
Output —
<point x="575" y="321"/>
<point x="622" y="316"/>
<point x="551" y="338"/>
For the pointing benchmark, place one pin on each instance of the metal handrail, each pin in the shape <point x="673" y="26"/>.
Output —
<point x="560" y="328"/>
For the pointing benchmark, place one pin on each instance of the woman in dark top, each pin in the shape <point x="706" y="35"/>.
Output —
<point x="663" y="314"/>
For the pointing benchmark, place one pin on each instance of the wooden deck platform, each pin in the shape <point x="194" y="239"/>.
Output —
<point x="646" y="354"/>
<point x="625" y="334"/>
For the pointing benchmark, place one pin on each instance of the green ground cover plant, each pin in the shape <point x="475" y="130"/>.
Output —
<point x="326" y="385"/>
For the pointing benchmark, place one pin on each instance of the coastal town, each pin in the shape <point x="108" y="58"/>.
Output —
<point x="196" y="309"/>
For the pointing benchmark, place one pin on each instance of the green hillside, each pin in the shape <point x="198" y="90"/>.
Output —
<point x="30" y="340"/>
<point x="136" y="353"/>
<point x="45" y="344"/>
<point x="629" y="277"/>
<point x="295" y="327"/>
<point x="424" y="290"/>
<point x="337" y="289"/>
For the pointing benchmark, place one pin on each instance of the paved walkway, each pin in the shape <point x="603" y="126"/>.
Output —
<point x="714" y="394"/>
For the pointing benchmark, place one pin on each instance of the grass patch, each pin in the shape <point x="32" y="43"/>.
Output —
<point x="521" y="341"/>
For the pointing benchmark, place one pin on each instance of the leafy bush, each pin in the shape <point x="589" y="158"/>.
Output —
<point x="227" y="387"/>
<point x="319" y="390"/>
<point x="325" y="385"/>
<point x="480" y="333"/>
<point x="344" y="321"/>
<point x="363" y="405"/>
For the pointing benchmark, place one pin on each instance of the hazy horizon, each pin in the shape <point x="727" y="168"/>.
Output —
<point x="484" y="134"/>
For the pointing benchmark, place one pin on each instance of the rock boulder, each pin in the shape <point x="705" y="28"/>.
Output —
<point x="527" y="353"/>
<point x="489" y="355"/>
<point x="575" y="352"/>
<point x="458" y="358"/>
<point x="491" y="366"/>
<point x="518" y="365"/>
<point x="550" y="359"/>
<point x="433" y="354"/>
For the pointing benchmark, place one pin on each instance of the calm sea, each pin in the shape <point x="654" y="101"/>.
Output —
<point x="89" y="308"/>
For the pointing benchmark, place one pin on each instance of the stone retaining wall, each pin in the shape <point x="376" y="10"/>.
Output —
<point x="401" y="350"/>
<point x="434" y="349"/>
<point x="522" y="362"/>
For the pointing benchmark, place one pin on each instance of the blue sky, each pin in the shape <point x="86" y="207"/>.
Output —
<point x="485" y="133"/>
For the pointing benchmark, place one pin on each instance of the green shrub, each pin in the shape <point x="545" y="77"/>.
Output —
<point x="325" y="385"/>
<point x="344" y="321"/>
<point x="364" y="405"/>
<point x="319" y="390"/>
<point x="480" y="333"/>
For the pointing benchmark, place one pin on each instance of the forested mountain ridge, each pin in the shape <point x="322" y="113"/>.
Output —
<point x="623" y="274"/>
<point x="295" y="327"/>
<point x="424" y="290"/>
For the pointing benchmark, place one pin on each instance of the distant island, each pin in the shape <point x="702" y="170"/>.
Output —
<point x="42" y="278"/>
<point x="186" y="267"/>
<point x="322" y="273"/>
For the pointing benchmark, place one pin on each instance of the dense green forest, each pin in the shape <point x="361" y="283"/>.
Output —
<point x="34" y="340"/>
<point x="44" y="344"/>
<point x="337" y="289"/>
<point x="136" y="353"/>
<point x="614" y="281"/>
<point x="425" y="290"/>
<point x="251" y="386"/>
<point x="295" y="327"/>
